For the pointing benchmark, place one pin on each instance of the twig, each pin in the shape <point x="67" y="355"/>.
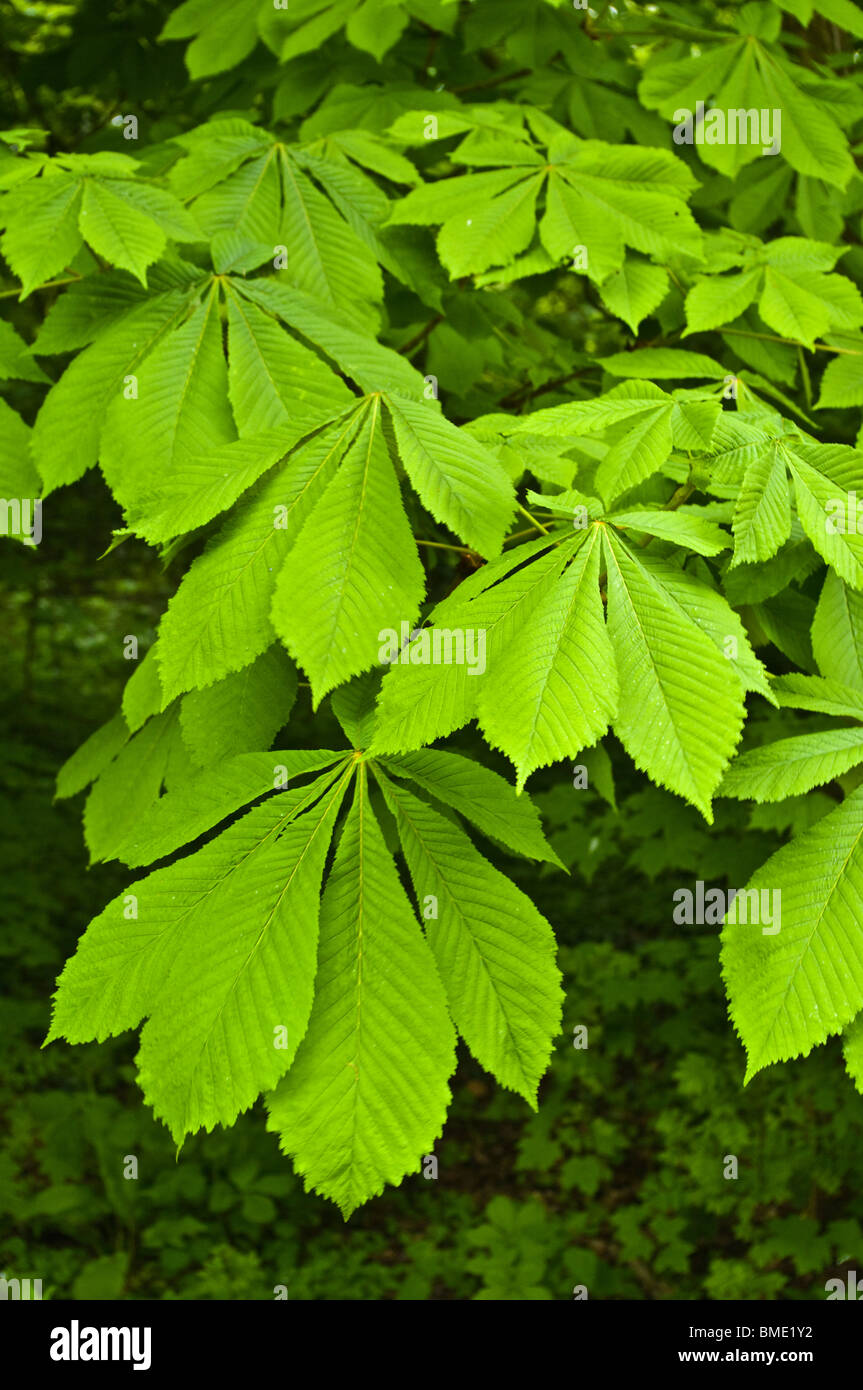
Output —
<point x="532" y="519"/>
<point x="420" y="337"/>
<point x="441" y="545"/>
<point x="492" y="82"/>
<point x="48" y="285"/>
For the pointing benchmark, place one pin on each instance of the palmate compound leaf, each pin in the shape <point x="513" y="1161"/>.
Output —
<point x="790" y="989"/>
<point x="127" y="222"/>
<point x="745" y="79"/>
<point x="494" y="950"/>
<point x="790" y="281"/>
<point x="170" y="452"/>
<point x="595" y="198"/>
<point x="134" y="395"/>
<point x="253" y="194"/>
<point x="214" y="951"/>
<point x="220" y="618"/>
<point x="217" y="951"/>
<point x="166" y="446"/>
<point x="666" y="628"/>
<point x="354" y="570"/>
<point x="368" y="1091"/>
<point x="642" y="423"/>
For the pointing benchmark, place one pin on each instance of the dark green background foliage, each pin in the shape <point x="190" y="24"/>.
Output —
<point x="716" y="263"/>
<point x="616" y="1183"/>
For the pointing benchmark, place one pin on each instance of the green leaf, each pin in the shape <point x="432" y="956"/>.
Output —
<point x="217" y="792"/>
<point x="274" y="381"/>
<point x="659" y="364"/>
<point x="326" y="258"/>
<point x="354" y="571"/>
<point x="553" y="690"/>
<point x="812" y="143"/>
<point x="242" y="712"/>
<point x="375" y="26"/>
<point x="421" y="701"/>
<point x="367" y="1094"/>
<point x="16" y="360"/>
<point x="638" y="452"/>
<point x="843" y="13"/>
<point x="142" y="696"/>
<point x="794" y="309"/>
<point x="222" y="960"/>
<point x="634" y="291"/>
<point x="68" y="427"/>
<point x="686" y="529"/>
<point x="179" y="410"/>
<point x="837" y="632"/>
<point x="219" y="619"/>
<point x="309" y="35"/>
<point x="572" y="223"/>
<point x="125" y="236"/>
<point x="459" y="480"/>
<point x="681" y="704"/>
<point x="819" y="693"/>
<point x="371" y="366"/>
<point x="493" y="233"/>
<point x="129" y="785"/>
<point x="206" y="485"/>
<point x="42" y="236"/>
<point x="791" y="990"/>
<point x="792" y="765"/>
<point x="18" y="477"/>
<point x="94" y="755"/>
<point x="636" y="194"/>
<point x="827" y="512"/>
<point x="478" y="794"/>
<point x="494" y="951"/>
<point x="223" y="33"/>
<point x="720" y="299"/>
<point x="762" y="511"/>
<point x="842" y="382"/>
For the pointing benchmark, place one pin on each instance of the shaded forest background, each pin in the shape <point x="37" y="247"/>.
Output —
<point x="616" y="1184"/>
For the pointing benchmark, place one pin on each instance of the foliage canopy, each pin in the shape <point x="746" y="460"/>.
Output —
<point x="412" y="317"/>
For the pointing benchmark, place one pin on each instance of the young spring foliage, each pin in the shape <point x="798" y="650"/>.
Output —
<point x="413" y="317"/>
